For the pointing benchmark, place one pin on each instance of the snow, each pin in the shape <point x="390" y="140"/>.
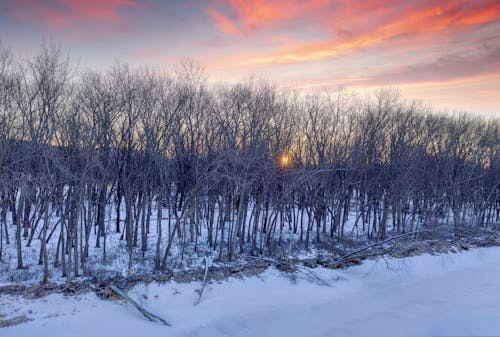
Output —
<point x="427" y="295"/>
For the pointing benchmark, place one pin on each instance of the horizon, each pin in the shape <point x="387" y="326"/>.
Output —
<point x="445" y="53"/>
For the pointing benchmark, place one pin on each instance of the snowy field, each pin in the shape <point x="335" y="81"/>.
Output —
<point x="444" y="295"/>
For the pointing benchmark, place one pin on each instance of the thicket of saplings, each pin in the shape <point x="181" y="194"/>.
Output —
<point x="168" y="160"/>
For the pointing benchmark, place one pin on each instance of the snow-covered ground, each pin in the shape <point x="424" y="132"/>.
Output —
<point x="445" y="295"/>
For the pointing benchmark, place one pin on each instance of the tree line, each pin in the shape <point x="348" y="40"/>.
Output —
<point x="159" y="160"/>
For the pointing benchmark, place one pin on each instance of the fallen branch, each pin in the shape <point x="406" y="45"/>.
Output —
<point x="14" y="321"/>
<point x="150" y="316"/>
<point x="204" y="282"/>
<point x="344" y="258"/>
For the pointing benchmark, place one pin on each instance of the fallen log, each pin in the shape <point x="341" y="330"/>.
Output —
<point x="149" y="315"/>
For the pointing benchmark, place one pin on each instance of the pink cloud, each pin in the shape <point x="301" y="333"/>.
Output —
<point x="252" y="15"/>
<point x="224" y="24"/>
<point x="350" y="25"/>
<point x="60" y="14"/>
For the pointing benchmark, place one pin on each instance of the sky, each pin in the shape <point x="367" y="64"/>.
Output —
<point x="446" y="53"/>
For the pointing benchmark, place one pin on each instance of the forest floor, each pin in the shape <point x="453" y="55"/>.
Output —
<point x="334" y="256"/>
<point x="438" y="294"/>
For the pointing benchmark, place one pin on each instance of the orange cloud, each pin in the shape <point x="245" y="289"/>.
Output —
<point x="488" y="13"/>
<point x="381" y="20"/>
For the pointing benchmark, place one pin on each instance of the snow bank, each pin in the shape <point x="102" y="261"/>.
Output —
<point x="445" y="295"/>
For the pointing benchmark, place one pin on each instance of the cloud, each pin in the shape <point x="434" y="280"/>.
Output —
<point x="444" y="69"/>
<point x="350" y="25"/>
<point x="249" y="16"/>
<point x="448" y="69"/>
<point x="61" y="14"/>
<point x="224" y="23"/>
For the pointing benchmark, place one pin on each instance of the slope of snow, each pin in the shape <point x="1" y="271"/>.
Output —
<point x="445" y="295"/>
